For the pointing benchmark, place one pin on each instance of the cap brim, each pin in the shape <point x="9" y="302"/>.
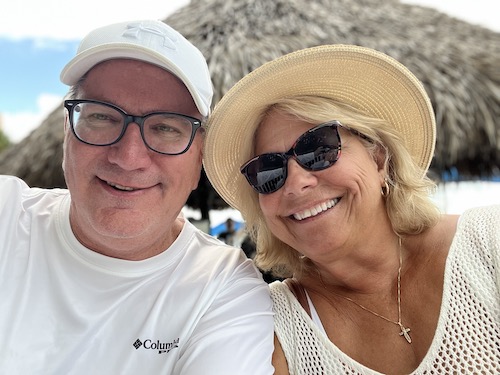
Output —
<point x="86" y="60"/>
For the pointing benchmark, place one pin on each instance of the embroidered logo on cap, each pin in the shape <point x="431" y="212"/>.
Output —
<point x="142" y="31"/>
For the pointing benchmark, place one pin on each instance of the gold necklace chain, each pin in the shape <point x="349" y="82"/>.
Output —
<point x="405" y="331"/>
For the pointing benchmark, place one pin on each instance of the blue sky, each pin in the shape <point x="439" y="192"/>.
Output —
<point x="35" y="45"/>
<point x="28" y="70"/>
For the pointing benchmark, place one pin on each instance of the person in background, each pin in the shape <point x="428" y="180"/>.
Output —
<point x="107" y="277"/>
<point x="228" y="236"/>
<point x="325" y="153"/>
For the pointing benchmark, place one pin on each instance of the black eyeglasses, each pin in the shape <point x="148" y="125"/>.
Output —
<point x="315" y="150"/>
<point x="102" y="124"/>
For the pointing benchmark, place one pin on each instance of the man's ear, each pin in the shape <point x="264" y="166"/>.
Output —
<point x="203" y="134"/>
<point x="66" y="120"/>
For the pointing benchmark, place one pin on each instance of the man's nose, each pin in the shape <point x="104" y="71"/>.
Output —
<point x="130" y="152"/>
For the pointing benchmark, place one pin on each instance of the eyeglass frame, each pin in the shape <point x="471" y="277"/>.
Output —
<point x="70" y="105"/>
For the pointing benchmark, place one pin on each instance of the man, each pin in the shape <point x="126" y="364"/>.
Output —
<point x="107" y="277"/>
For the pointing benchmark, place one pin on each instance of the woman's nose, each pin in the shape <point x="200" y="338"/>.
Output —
<point x="298" y="179"/>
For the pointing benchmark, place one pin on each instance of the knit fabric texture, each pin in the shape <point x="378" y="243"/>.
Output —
<point x="467" y="338"/>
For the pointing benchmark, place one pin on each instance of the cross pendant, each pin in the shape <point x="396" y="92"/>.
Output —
<point x="404" y="332"/>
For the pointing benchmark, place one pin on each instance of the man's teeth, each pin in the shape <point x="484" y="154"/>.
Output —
<point x="315" y="210"/>
<point x="120" y="187"/>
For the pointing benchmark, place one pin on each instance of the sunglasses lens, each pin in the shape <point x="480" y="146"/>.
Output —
<point x="318" y="149"/>
<point x="314" y="150"/>
<point x="266" y="173"/>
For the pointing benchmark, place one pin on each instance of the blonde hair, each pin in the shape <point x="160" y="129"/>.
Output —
<point x="409" y="206"/>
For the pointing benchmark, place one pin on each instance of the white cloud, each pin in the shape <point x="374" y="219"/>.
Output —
<point x="18" y="125"/>
<point x="51" y="44"/>
<point x="63" y="20"/>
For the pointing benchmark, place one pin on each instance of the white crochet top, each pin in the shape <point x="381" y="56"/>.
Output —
<point x="467" y="338"/>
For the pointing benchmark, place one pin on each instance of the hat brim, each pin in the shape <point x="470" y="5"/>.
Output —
<point x="361" y="77"/>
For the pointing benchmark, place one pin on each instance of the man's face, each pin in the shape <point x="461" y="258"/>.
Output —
<point x="126" y="197"/>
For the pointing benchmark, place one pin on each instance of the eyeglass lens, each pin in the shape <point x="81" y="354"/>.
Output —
<point x="316" y="149"/>
<point x="101" y="124"/>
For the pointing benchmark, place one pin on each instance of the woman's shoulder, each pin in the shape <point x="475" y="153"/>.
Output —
<point x="282" y="295"/>
<point x="437" y="239"/>
<point x="482" y="213"/>
<point x="482" y="221"/>
<point x="481" y="225"/>
<point x="278" y="288"/>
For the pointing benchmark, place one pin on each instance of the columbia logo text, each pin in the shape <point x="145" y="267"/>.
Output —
<point x="162" y="347"/>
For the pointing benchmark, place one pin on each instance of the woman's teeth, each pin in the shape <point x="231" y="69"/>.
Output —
<point x="322" y="207"/>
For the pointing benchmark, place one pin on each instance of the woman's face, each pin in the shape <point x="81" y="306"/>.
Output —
<point x="318" y="211"/>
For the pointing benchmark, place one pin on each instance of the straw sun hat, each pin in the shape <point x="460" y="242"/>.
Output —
<point x="361" y="77"/>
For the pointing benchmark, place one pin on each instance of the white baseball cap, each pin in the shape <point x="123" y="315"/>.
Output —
<point x="151" y="41"/>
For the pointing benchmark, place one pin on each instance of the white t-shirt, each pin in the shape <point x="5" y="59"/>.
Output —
<point x="467" y="338"/>
<point x="200" y="307"/>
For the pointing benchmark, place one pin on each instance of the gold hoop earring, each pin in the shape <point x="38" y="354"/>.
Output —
<point x="385" y="189"/>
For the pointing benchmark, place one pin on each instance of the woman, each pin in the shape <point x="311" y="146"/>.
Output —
<point x="333" y="144"/>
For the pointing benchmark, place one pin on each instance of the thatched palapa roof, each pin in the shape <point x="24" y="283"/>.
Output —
<point x="457" y="62"/>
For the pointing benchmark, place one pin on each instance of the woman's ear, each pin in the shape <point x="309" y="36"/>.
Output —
<point x="381" y="159"/>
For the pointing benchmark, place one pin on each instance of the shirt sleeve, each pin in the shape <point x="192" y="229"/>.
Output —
<point x="236" y="335"/>
<point x="11" y="210"/>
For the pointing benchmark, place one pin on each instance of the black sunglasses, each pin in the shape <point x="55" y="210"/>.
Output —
<point x="315" y="150"/>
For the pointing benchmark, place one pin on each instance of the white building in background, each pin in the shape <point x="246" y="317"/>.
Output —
<point x="450" y="197"/>
<point x="456" y="197"/>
